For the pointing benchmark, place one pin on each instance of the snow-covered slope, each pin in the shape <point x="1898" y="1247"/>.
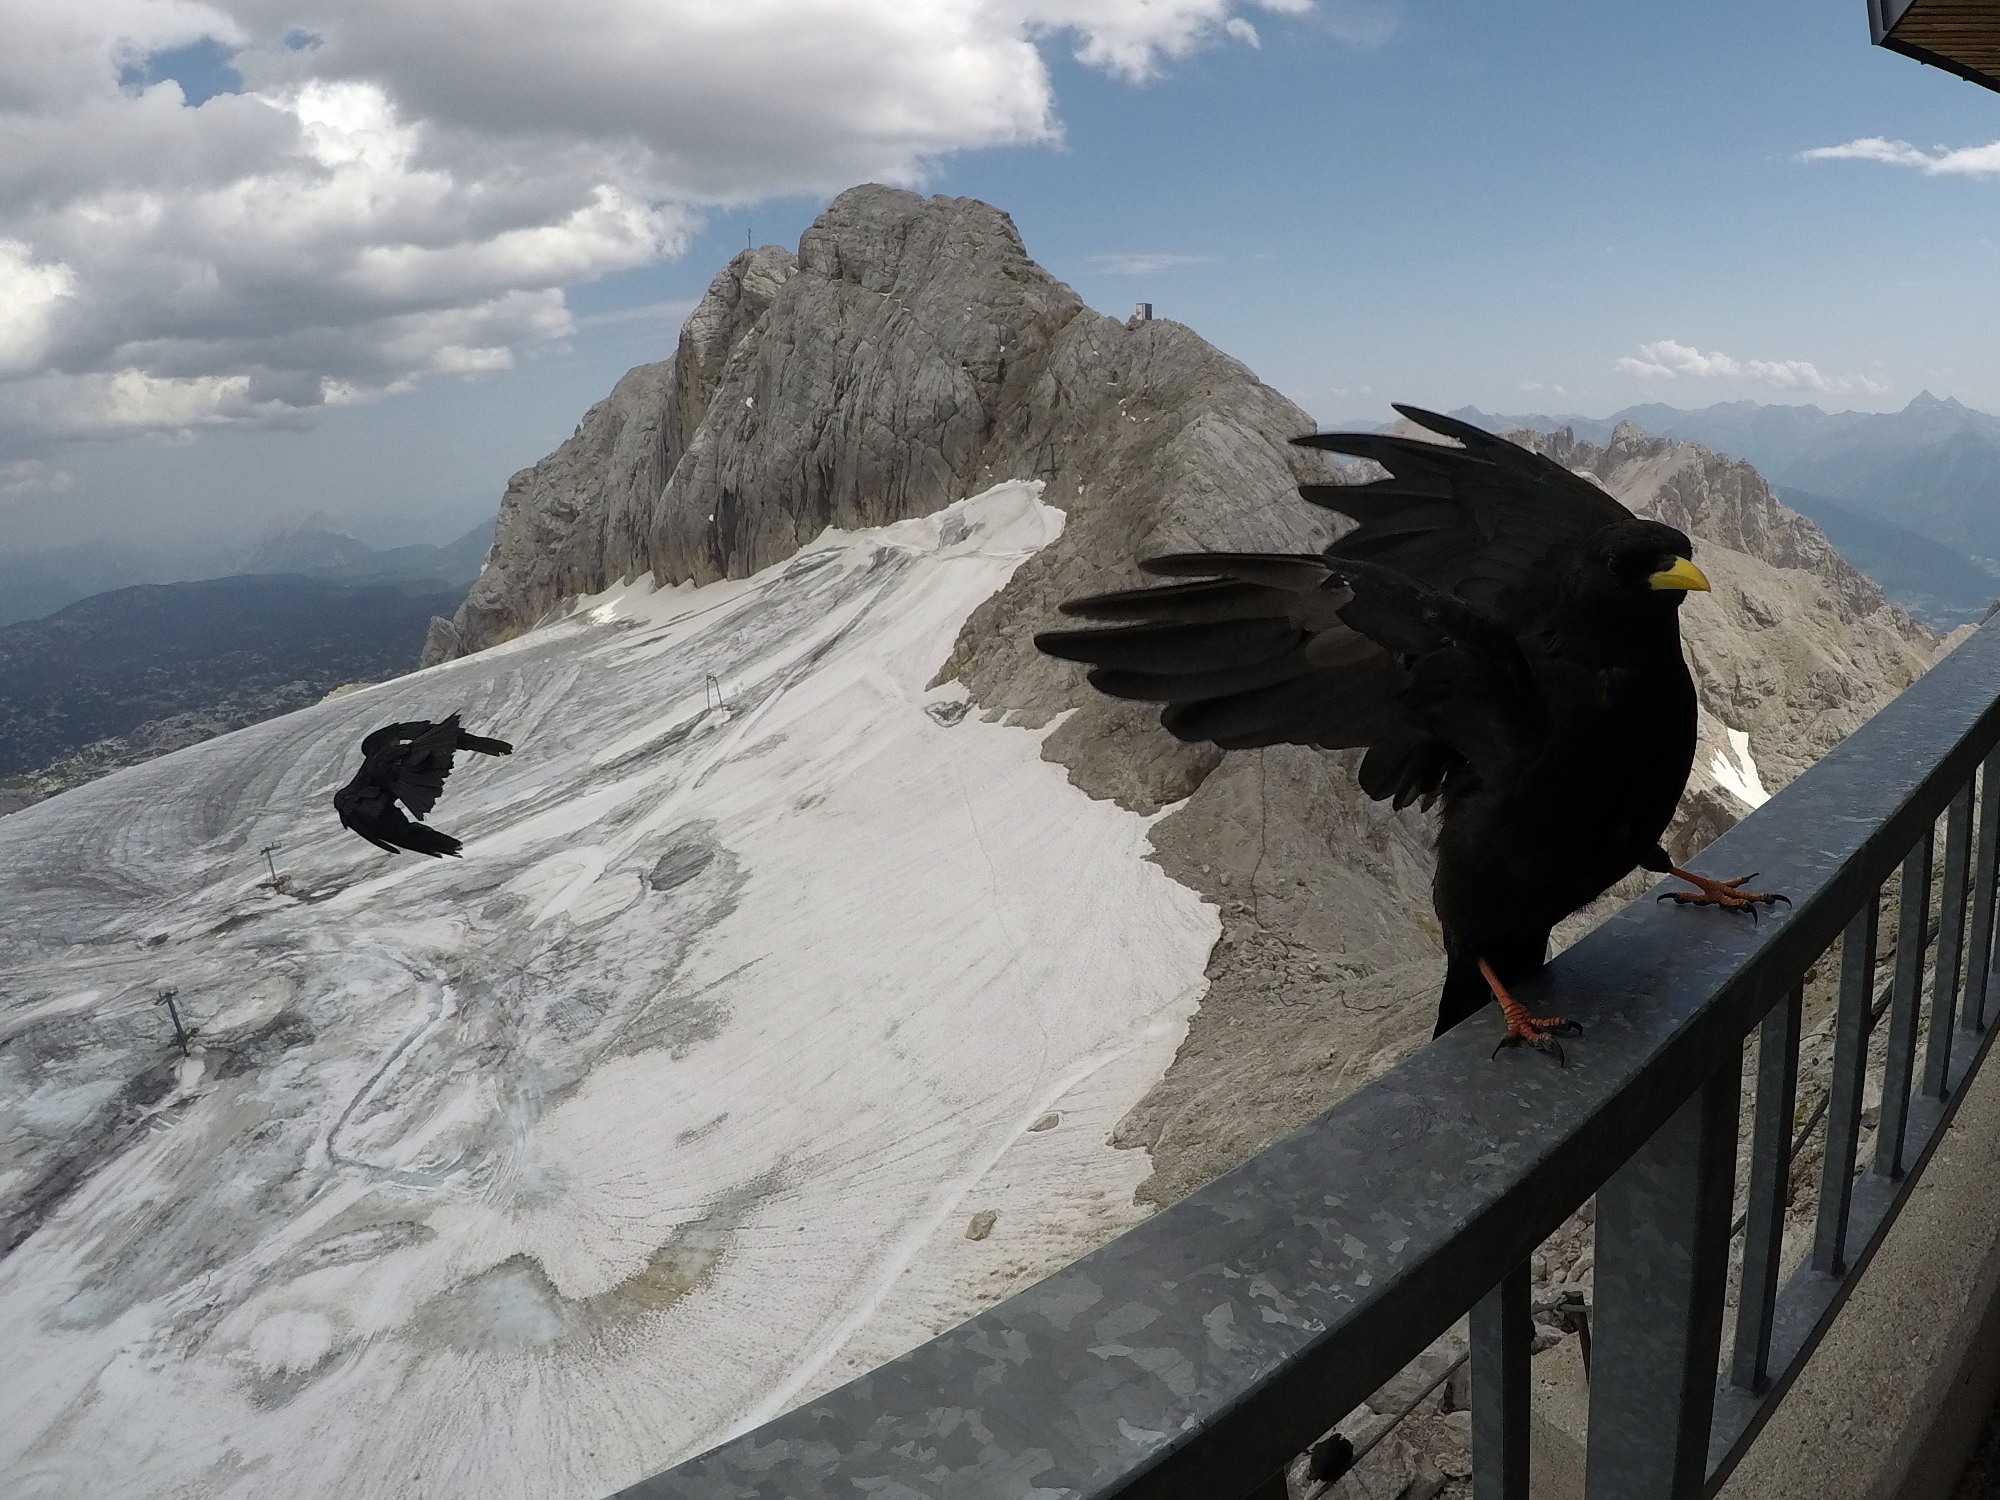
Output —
<point x="769" y="978"/>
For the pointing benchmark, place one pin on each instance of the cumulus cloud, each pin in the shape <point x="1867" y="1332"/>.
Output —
<point x="405" y="191"/>
<point x="1145" y="265"/>
<point x="1964" y="161"/>
<point x="30" y="476"/>
<point x="1668" y="360"/>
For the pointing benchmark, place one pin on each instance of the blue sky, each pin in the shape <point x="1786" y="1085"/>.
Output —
<point x="1428" y="202"/>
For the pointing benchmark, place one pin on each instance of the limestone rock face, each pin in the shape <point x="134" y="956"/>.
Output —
<point x="909" y="355"/>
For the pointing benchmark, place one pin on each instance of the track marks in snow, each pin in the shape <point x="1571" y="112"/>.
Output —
<point x="669" y="1101"/>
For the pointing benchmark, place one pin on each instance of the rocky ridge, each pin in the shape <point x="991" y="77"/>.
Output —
<point x="911" y="354"/>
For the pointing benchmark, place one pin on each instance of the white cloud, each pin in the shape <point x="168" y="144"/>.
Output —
<point x="405" y="191"/>
<point x="1359" y="23"/>
<point x="30" y="294"/>
<point x="1146" y="265"/>
<point x="1668" y="360"/>
<point x="1965" y="161"/>
<point x="30" y="476"/>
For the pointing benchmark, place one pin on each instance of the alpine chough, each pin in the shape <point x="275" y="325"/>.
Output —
<point x="407" y="763"/>
<point x="1497" y="632"/>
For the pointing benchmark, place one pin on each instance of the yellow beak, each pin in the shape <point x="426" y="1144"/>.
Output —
<point x="1682" y="575"/>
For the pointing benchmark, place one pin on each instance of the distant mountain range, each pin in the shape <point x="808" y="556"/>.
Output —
<point x="35" y="584"/>
<point x="122" y="676"/>
<point x="1912" y="498"/>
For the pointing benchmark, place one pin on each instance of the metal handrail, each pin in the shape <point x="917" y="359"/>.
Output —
<point x="1198" y="1353"/>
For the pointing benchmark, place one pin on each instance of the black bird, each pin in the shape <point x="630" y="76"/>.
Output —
<point x="1498" y="632"/>
<point x="407" y="763"/>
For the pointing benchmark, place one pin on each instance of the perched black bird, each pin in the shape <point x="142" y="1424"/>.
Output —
<point x="407" y="763"/>
<point x="1496" y="631"/>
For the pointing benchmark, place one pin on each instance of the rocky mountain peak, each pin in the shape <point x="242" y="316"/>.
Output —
<point x="910" y="354"/>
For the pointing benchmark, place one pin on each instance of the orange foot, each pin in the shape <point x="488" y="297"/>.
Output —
<point x="1726" y="894"/>
<point x="1524" y="1030"/>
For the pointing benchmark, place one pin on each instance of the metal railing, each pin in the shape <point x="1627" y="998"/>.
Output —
<point x="1199" y="1353"/>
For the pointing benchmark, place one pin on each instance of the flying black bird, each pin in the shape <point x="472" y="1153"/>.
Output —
<point x="1497" y="631"/>
<point x="407" y="763"/>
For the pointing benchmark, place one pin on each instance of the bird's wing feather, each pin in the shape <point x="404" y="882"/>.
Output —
<point x="390" y="735"/>
<point x="417" y="778"/>
<point x="367" y="809"/>
<point x="1398" y="639"/>
<point x="1475" y="521"/>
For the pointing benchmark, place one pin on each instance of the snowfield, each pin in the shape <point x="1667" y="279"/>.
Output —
<point x="769" y="977"/>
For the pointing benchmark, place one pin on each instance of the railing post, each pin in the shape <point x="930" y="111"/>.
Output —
<point x="1951" y="943"/>
<point x="1503" y="1332"/>
<point x="1905" y="1001"/>
<point x="1662" y="1272"/>
<point x="1770" y="1189"/>
<point x="1843" y="1101"/>
<point x="1986" y="849"/>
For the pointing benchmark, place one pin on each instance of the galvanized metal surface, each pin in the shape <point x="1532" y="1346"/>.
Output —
<point x="1770" y="1189"/>
<point x="1661" y="1275"/>
<point x="1811" y="1299"/>
<point x="1905" y="1007"/>
<point x="1198" y="1353"/>
<point x="1950" y="944"/>
<point x="1503" y="1335"/>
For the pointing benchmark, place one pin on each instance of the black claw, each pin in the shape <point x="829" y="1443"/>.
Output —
<point x="1568" y="1028"/>
<point x="1545" y="1043"/>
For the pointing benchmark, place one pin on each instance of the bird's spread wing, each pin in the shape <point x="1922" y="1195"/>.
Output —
<point x="1397" y="639"/>
<point x="390" y="735"/>
<point x="368" y="809"/>
<point x="1475" y="521"/>
<point x="417" y="778"/>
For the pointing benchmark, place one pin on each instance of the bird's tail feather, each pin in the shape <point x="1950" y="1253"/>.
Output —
<point x="483" y="745"/>
<point x="424" y="839"/>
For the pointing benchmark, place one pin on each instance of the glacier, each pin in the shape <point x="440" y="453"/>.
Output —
<point x="776" y="1018"/>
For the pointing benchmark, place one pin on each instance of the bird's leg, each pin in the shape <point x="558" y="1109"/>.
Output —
<point x="1524" y="1030"/>
<point x="1727" y="894"/>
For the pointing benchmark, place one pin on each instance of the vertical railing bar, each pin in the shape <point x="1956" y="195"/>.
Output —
<point x="1951" y="942"/>
<point x="1662" y="1277"/>
<point x="1843" y="1113"/>
<point x="1770" y="1188"/>
<point x="1503" y="1331"/>
<point x="1899" y="1059"/>
<point x="1986" y="849"/>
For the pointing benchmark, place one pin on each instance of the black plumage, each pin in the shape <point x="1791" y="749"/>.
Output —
<point x="1496" y="631"/>
<point x="407" y="763"/>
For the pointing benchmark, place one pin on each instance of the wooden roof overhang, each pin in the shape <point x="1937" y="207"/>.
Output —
<point x="1960" y="36"/>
